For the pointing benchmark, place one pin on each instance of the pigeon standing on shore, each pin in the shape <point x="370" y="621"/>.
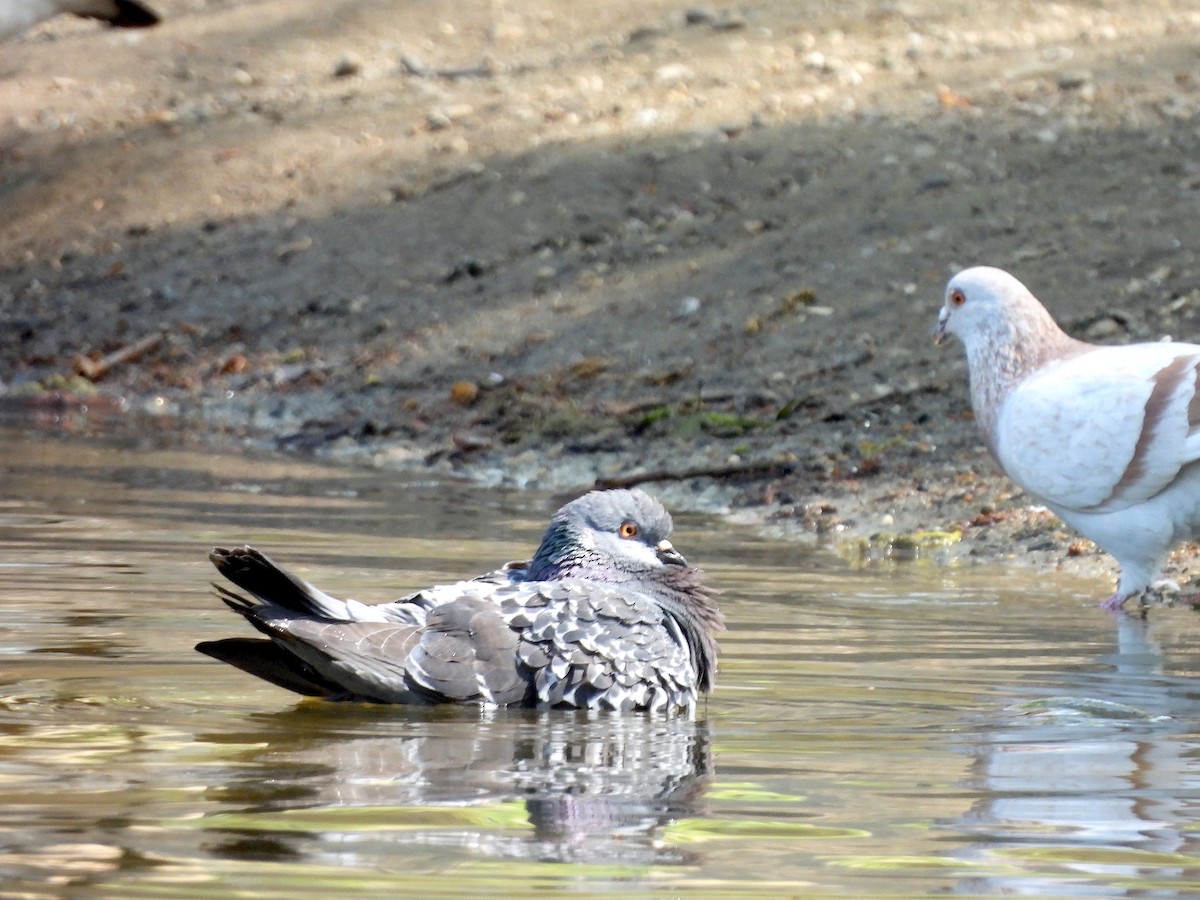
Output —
<point x="607" y="615"/>
<point x="18" y="15"/>
<point x="1108" y="438"/>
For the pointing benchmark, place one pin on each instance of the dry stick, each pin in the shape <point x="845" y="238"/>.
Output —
<point x="893" y="397"/>
<point x="95" y="369"/>
<point x="750" y="468"/>
<point x="414" y="67"/>
<point x="848" y="361"/>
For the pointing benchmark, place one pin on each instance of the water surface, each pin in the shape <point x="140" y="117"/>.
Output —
<point x="898" y="730"/>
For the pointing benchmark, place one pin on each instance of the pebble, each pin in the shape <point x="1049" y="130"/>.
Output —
<point x="1103" y="330"/>
<point x="590" y="280"/>
<point x="645" y="33"/>
<point x="470" y="441"/>
<point x="464" y="393"/>
<point x="347" y="66"/>
<point x="1070" y="81"/>
<point x="673" y="73"/>
<point x="815" y="60"/>
<point x="730" y="21"/>
<point x="457" y="111"/>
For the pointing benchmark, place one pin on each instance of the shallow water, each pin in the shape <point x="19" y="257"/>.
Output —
<point x="901" y="729"/>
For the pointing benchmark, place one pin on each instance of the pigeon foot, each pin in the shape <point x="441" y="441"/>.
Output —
<point x="1115" y="602"/>
<point x="1165" y="592"/>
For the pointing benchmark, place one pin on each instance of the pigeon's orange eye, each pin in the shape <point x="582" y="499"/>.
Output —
<point x="957" y="297"/>
<point x="628" y="530"/>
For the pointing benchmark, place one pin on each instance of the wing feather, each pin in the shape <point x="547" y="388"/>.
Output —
<point x="1104" y="430"/>
<point x="602" y="646"/>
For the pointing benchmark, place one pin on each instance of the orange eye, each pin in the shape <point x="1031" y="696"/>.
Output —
<point x="957" y="297"/>
<point x="628" y="530"/>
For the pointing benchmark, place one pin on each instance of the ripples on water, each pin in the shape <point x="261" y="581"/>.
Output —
<point x="891" y="730"/>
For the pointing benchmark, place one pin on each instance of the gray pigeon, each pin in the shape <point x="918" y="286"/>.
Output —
<point x="1107" y="437"/>
<point x="607" y="615"/>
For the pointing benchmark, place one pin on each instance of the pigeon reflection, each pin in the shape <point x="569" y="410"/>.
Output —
<point x="596" y="787"/>
<point x="1094" y="773"/>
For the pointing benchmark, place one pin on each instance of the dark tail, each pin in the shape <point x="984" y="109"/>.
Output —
<point x="255" y="573"/>
<point x="272" y="663"/>
<point x="126" y="14"/>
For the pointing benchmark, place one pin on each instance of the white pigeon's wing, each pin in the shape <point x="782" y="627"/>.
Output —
<point x="1104" y="430"/>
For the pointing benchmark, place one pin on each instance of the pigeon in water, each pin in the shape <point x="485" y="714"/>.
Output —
<point x="1107" y="437"/>
<point x="606" y="615"/>
<point x="17" y="15"/>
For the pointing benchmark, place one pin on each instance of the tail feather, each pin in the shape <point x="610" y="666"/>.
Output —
<point x="247" y="609"/>
<point x="120" y="13"/>
<point x="254" y="572"/>
<point x="272" y="663"/>
<point x="131" y="14"/>
<point x="236" y="602"/>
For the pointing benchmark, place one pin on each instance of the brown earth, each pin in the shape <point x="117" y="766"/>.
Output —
<point x="542" y="243"/>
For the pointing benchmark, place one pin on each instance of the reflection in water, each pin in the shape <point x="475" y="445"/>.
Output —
<point x="595" y="788"/>
<point x="1112" y="763"/>
<point x="887" y="730"/>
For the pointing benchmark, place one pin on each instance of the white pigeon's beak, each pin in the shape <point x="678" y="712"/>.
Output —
<point x="668" y="555"/>
<point x="939" y="333"/>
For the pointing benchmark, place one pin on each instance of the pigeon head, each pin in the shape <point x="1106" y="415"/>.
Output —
<point x="984" y="305"/>
<point x="611" y="536"/>
<point x="1006" y="331"/>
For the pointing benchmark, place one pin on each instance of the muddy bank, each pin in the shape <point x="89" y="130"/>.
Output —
<point x="698" y="246"/>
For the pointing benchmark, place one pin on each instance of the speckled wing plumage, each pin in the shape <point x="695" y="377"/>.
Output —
<point x="597" y="647"/>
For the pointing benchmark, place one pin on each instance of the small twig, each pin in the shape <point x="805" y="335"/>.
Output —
<point x="414" y="66"/>
<point x="622" y="408"/>
<point x="892" y="396"/>
<point x="845" y="362"/>
<point x="95" y="369"/>
<point x="771" y="469"/>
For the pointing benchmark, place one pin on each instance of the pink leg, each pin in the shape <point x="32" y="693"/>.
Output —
<point x="1160" y="592"/>
<point x="1115" y="602"/>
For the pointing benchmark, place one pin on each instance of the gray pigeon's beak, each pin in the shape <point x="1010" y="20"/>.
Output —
<point x="939" y="333"/>
<point x="668" y="555"/>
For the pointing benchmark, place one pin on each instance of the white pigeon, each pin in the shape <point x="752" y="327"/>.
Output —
<point x="17" y="15"/>
<point x="1108" y="438"/>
